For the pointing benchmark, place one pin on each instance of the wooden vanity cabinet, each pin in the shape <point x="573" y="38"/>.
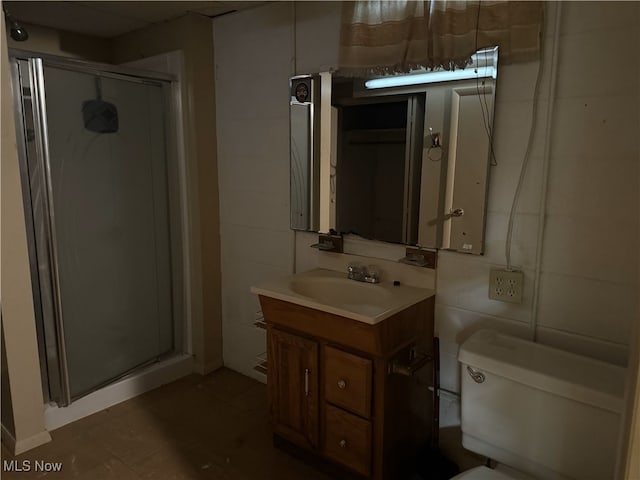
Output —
<point x="331" y="391"/>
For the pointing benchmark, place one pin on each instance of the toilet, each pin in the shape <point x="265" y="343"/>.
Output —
<point x="540" y="412"/>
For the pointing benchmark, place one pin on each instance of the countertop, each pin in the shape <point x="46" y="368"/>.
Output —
<point x="332" y="292"/>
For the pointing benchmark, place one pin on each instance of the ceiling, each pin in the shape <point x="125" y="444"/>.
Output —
<point x="110" y="19"/>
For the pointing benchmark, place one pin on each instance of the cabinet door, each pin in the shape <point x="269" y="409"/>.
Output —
<point x="293" y="387"/>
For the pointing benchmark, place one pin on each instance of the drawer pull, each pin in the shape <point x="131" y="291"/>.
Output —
<point x="342" y="443"/>
<point x="306" y="382"/>
<point x="342" y="384"/>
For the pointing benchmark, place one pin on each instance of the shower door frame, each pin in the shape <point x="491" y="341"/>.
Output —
<point x="57" y="389"/>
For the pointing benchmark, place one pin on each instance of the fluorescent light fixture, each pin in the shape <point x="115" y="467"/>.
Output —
<point x="430" y="77"/>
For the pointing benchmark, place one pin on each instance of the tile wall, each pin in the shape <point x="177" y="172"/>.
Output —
<point x="253" y="56"/>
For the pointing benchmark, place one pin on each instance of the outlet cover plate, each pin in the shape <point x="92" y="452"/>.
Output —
<point x="506" y="285"/>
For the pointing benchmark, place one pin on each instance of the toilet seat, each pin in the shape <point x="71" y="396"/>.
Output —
<point x="482" y="473"/>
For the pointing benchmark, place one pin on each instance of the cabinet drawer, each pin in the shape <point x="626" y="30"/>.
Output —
<point x="348" y="440"/>
<point x="347" y="381"/>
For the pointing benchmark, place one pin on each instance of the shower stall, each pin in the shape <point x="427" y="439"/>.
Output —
<point x="102" y="195"/>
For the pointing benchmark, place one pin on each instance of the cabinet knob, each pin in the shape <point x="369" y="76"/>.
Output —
<point x="342" y="443"/>
<point x="342" y="384"/>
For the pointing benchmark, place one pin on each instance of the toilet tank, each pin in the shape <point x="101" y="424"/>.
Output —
<point x="546" y="412"/>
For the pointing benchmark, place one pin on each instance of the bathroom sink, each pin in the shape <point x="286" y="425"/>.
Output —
<point x="333" y="292"/>
<point x="340" y="290"/>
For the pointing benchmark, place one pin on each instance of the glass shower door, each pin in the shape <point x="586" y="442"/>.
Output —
<point x="100" y="202"/>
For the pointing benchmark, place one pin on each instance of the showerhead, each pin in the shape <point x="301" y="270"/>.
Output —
<point x="99" y="115"/>
<point x="17" y="31"/>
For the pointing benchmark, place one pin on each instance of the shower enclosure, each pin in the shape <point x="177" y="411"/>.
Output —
<point x="101" y="195"/>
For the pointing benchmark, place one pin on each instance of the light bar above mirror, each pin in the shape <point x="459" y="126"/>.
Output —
<point x="482" y="65"/>
<point x="428" y="77"/>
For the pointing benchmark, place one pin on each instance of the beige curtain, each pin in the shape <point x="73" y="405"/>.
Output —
<point x="400" y="35"/>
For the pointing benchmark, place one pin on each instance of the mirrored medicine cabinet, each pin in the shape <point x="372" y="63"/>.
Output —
<point x="402" y="159"/>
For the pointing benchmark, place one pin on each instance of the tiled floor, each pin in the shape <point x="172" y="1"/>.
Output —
<point x="212" y="427"/>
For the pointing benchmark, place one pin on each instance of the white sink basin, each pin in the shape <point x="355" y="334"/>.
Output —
<point x="342" y="291"/>
<point x="333" y="292"/>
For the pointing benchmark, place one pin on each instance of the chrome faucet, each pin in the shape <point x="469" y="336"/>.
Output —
<point x="358" y="272"/>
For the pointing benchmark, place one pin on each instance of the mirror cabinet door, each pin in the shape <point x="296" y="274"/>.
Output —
<point x="304" y="152"/>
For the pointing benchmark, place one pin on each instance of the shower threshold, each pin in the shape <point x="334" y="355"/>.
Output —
<point x="137" y="383"/>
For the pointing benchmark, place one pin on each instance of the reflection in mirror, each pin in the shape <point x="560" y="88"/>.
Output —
<point x="405" y="158"/>
<point x="378" y="167"/>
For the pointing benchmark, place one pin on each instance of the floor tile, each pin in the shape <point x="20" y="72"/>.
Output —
<point x="112" y="469"/>
<point x="133" y="436"/>
<point x="199" y="427"/>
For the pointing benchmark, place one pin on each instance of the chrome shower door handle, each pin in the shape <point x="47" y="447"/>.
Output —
<point x="477" y="376"/>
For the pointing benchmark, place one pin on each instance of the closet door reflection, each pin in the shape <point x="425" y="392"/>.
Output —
<point x="109" y="198"/>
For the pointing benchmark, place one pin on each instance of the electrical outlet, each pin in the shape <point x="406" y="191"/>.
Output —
<point x="506" y="285"/>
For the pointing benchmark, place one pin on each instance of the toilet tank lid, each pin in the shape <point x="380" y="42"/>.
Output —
<point x="580" y="378"/>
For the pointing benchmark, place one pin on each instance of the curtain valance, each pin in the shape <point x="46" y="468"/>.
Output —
<point x="400" y="35"/>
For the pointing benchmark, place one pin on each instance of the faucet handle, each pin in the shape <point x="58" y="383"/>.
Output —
<point x="355" y="271"/>
<point x="372" y="274"/>
<point x="355" y="266"/>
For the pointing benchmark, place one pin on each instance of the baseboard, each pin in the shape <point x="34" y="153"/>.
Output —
<point x="20" y="446"/>
<point x="7" y="438"/>
<point x="213" y="366"/>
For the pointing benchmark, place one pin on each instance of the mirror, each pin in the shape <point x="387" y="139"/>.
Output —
<point x="402" y="159"/>
<point x="305" y="154"/>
